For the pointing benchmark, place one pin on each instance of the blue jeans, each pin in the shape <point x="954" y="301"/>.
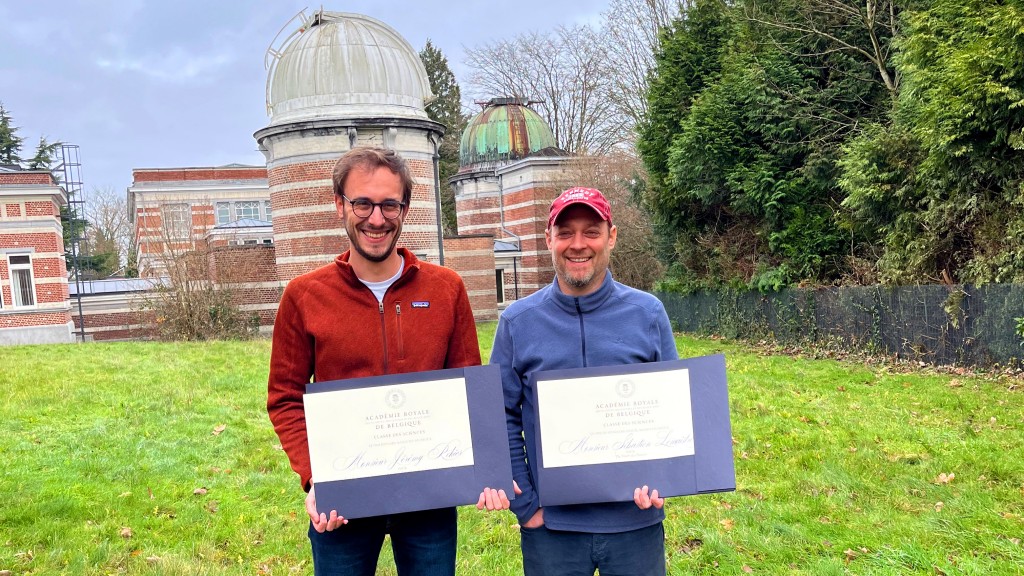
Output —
<point x="423" y="544"/>
<point x="559" y="553"/>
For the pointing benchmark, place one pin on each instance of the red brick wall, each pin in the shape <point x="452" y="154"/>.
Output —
<point x="239" y="267"/>
<point x="473" y="258"/>
<point x="179" y="174"/>
<point x="35" y="318"/>
<point x="25" y="178"/>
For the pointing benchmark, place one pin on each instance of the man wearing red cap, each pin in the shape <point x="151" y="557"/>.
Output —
<point x="584" y="318"/>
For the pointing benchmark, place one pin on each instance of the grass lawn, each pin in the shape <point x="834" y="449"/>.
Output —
<point x="153" y="458"/>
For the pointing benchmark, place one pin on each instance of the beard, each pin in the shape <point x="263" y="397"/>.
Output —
<point x="354" y="239"/>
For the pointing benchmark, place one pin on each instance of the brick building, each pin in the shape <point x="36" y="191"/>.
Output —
<point x="509" y="172"/>
<point x="338" y="81"/>
<point x="175" y="210"/>
<point x="34" y="305"/>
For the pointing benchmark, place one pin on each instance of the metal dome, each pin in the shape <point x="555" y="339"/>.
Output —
<point x="506" y="129"/>
<point x="342" y="65"/>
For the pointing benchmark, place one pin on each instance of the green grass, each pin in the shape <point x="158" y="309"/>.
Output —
<point x="838" y="470"/>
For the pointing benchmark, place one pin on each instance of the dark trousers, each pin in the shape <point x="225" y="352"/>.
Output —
<point x="559" y="553"/>
<point x="423" y="544"/>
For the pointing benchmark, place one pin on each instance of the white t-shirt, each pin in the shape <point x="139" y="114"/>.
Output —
<point x="379" y="288"/>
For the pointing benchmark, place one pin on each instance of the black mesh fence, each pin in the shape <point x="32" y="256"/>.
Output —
<point x="939" y="324"/>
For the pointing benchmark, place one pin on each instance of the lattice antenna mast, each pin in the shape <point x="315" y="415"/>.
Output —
<point x="71" y="166"/>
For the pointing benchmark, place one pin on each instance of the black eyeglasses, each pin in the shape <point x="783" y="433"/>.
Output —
<point x="389" y="209"/>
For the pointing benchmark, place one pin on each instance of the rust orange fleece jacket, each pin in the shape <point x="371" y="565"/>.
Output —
<point x="330" y="326"/>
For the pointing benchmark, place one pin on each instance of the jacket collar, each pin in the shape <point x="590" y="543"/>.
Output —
<point x="410" y="266"/>
<point x="587" y="303"/>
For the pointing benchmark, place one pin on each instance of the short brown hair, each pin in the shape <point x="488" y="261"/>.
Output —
<point x="368" y="158"/>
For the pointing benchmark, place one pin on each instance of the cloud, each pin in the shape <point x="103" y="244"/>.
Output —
<point x="176" y="66"/>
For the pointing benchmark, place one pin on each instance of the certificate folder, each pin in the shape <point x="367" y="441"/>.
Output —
<point x="707" y="467"/>
<point x="380" y="492"/>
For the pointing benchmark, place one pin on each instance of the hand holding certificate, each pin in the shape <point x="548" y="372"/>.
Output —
<point x="605" y="431"/>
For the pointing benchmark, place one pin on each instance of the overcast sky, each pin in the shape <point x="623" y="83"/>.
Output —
<point x="157" y="84"/>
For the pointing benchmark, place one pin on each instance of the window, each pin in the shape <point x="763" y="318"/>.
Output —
<point x="177" y="221"/>
<point x="223" y="212"/>
<point x="266" y="208"/>
<point x="268" y="240"/>
<point x="247" y="210"/>
<point x="23" y="290"/>
<point x="499" y="284"/>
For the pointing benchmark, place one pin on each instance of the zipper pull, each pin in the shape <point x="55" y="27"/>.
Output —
<point x="398" y="309"/>
<point x="380" y="305"/>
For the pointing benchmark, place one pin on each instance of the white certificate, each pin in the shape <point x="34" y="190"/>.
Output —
<point x="383" y="430"/>
<point x="609" y="419"/>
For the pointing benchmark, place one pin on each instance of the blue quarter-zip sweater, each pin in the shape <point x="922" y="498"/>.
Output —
<point x="549" y="330"/>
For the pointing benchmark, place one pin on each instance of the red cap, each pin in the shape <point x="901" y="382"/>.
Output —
<point x="591" y="197"/>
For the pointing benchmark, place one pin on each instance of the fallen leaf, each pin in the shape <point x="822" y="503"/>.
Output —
<point x="278" y="447"/>
<point x="938" y="506"/>
<point x="944" y="478"/>
<point x="150" y="490"/>
<point x="841" y="388"/>
<point x="850" y="555"/>
<point x="726" y="505"/>
<point x="747" y="569"/>
<point x="126" y="532"/>
<point x="939" y="571"/>
<point x="727" y="523"/>
<point x="691" y="544"/>
<point x="6" y="573"/>
<point x="954" y="383"/>
<point x="219" y="428"/>
<point x="200" y="491"/>
<point x="826" y="543"/>
<point x="152" y="559"/>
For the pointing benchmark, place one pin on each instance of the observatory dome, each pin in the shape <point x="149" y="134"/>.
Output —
<point x="342" y="65"/>
<point x="506" y="129"/>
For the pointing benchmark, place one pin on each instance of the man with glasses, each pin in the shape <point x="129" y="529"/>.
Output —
<point x="375" y="310"/>
<point x="583" y="318"/>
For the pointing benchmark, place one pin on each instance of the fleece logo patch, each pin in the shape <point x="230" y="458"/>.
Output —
<point x="421" y="304"/>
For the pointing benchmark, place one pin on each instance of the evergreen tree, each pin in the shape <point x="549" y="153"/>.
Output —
<point x="10" y="142"/>
<point x="45" y="157"/>
<point x="445" y="109"/>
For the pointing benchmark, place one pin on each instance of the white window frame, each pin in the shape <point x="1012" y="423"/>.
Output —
<point x="267" y="214"/>
<point x="254" y="214"/>
<point x="227" y="212"/>
<point x="177" y="228"/>
<point x="12" y="271"/>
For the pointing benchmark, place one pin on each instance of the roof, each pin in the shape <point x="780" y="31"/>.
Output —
<point x="116" y="285"/>
<point x="343" y="65"/>
<point x="506" y="129"/>
<point x="502" y="246"/>
<point x="243" y="223"/>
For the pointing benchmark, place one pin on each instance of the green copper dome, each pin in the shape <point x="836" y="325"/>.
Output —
<point x="506" y="129"/>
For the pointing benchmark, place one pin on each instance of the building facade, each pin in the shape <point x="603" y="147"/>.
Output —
<point x="34" y="304"/>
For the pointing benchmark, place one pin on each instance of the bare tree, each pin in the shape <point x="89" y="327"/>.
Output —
<point x="201" y="291"/>
<point x="863" y="28"/>
<point x="565" y="71"/>
<point x="109" y="227"/>
<point x="630" y="31"/>
<point x="618" y="174"/>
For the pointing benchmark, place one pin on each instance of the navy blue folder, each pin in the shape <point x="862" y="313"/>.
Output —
<point x="407" y="492"/>
<point x="709" y="469"/>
